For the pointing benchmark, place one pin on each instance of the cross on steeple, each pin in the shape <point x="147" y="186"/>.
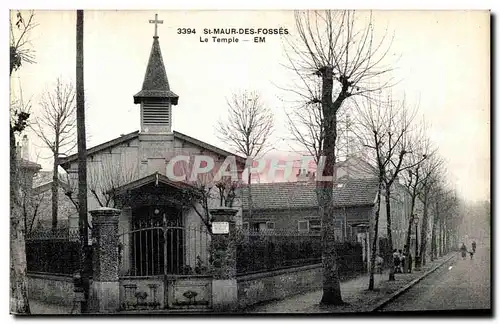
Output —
<point x="156" y="22"/>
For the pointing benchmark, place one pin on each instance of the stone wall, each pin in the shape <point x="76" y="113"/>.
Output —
<point x="51" y="289"/>
<point x="256" y="288"/>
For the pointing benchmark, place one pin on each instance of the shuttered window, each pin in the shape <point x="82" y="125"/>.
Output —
<point x="156" y="114"/>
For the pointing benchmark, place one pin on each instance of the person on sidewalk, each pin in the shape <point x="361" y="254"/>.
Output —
<point x="402" y="258"/>
<point x="408" y="259"/>
<point x="396" y="260"/>
<point x="463" y="250"/>
<point x="379" y="263"/>
<point x="474" y="246"/>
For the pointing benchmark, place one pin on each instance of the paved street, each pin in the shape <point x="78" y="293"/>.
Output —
<point x="462" y="284"/>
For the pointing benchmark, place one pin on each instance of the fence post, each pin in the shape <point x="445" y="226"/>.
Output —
<point x="223" y="252"/>
<point x="104" y="295"/>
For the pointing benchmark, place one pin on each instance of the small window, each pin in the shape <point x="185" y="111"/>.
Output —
<point x="303" y="226"/>
<point x="315" y="225"/>
<point x="245" y="226"/>
<point x="270" y="225"/>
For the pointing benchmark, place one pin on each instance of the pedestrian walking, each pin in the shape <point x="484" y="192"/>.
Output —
<point x="474" y="246"/>
<point x="402" y="258"/>
<point x="396" y="260"/>
<point x="463" y="249"/>
<point x="408" y="260"/>
<point x="379" y="262"/>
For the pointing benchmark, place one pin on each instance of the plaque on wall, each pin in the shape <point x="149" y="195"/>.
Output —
<point x="220" y="228"/>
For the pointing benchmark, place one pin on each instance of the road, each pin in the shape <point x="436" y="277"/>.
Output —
<point x="460" y="284"/>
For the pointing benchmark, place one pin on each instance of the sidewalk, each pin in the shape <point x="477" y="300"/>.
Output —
<point x="354" y="292"/>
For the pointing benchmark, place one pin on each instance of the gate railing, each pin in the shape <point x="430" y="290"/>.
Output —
<point x="157" y="247"/>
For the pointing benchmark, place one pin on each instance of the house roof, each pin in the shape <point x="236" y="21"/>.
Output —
<point x="297" y="195"/>
<point x="355" y="162"/>
<point x="29" y="165"/>
<point x="45" y="177"/>
<point x="48" y="186"/>
<point x="355" y="192"/>
<point x="64" y="162"/>
<point x="155" y="85"/>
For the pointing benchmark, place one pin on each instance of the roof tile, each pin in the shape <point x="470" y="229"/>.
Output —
<point x="284" y="195"/>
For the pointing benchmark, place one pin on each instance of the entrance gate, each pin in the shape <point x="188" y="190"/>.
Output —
<point x="164" y="265"/>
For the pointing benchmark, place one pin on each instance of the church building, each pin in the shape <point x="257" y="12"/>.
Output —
<point x="130" y="173"/>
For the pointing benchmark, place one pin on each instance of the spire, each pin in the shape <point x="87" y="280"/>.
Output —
<point x="155" y="86"/>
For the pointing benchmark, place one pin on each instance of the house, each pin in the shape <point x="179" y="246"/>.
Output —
<point x="133" y="172"/>
<point x="27" y="171"/>
<point x="41" y="218"/>
<point x="293" y="206"/>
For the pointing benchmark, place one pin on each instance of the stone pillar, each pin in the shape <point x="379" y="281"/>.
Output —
<point x="104" y="295"/>
<point x="223" y="252"/>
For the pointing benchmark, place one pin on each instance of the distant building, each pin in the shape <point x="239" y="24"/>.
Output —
<point x="67" y="215"/>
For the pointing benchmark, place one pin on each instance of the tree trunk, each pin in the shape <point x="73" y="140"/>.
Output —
<point x="423" y="232"/>
<point x="250" y="201"/>
<point x="389" y="230"/>
<point x="331" y="281"/>
<point x="19" y="303"/>
<point x="374" y="243"/>
<point x="440" y="237"/>
<point x="433" y="237"/>
<point x="55" y="187"/>
<point x="408" y="234"/>
<point x="82" y="160"/>
<point x="446" y="238"/>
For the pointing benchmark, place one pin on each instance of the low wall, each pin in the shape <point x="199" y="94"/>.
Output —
<point x="53" y="289"/>
<point x="278" y="284"/>
<point x="199" y="287"/>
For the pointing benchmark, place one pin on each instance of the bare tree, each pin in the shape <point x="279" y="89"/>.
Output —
<point x="413" y="177"/>
<point x="431" y="170"/>
<point x="442" y="202"/>
<point x="385" y="130"/>
<point x="56" y="127"/>
<point x="20" y="26"/>
<point x="205" y="189"/>
<point x="247" y="130"/>
<point x="106" y="174"/>
<point x="334" y="60"/>
<point x="305" y="126"/>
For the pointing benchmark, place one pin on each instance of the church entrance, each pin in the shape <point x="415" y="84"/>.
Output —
<point x="157" y="241"/>
<point x="164" y="248"/>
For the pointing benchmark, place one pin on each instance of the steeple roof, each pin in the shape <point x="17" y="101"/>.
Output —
<point x="155" y="85"/>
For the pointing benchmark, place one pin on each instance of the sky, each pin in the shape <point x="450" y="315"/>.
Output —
<point x="441" y="60"/>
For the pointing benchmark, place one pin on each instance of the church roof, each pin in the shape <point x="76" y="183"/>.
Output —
<point x="152" y="178"/>
<point x="64" y="162"/>
<point x="155" y="85"/>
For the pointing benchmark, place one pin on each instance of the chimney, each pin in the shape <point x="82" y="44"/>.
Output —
<point x="25" y="153"/>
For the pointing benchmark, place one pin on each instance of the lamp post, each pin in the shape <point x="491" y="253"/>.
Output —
<point x="417" y="258"/>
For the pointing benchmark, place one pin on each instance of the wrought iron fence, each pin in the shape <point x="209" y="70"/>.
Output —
<point x="53" y="251"/>
<point x="154" y="247"/>
<point x="273" y="250"/>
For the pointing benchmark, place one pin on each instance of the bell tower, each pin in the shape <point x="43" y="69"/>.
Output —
<point x="155" y="98"/>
